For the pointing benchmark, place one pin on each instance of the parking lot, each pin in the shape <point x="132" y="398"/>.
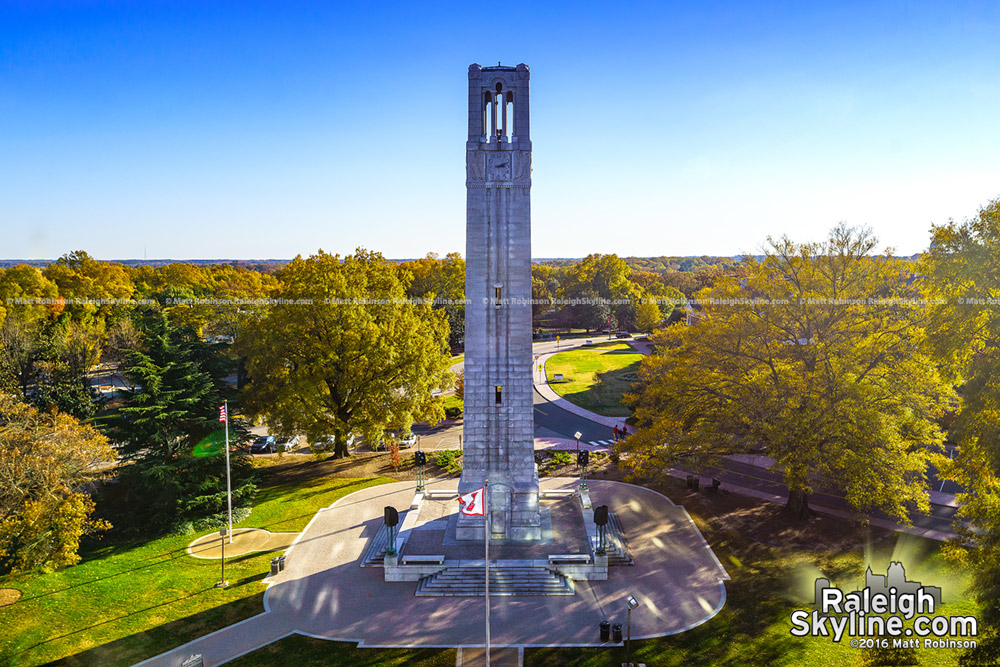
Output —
<point x="446" y="435"/>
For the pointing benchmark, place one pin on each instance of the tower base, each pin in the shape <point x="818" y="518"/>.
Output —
<point x="514" y="513"/>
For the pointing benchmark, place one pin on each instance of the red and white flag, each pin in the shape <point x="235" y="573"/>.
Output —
<point x="472" y="502"/>
<point x="222" y="413"/>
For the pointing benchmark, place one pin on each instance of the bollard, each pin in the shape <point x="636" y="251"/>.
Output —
<point x="616" y="633"/>
<point x="605" y="631"/>
<point x="274" y="566"/>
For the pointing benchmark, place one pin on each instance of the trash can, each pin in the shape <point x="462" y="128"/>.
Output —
<point x="605" y="631"/>
<point x="281" y="563"/>
<point x="616" y="633"/>
<point x="275" y="566"/>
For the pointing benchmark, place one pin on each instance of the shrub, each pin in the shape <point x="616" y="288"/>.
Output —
<point x="562" y="458"/>
<point x="448" y="460"/>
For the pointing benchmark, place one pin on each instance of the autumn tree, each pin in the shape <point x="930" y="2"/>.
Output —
<point x="93" y="289"/>
<point x="66" y="352"/>
<point x="346" y="352"/>
<point x="18" y="350"/>
<point x="648" y="315"/>
<point x="963" y="265"/>
<point x="544" y="287"/>
<point x="443" y="282"/>
<point x="26" y="292"/>
<point x="816" y="359"/>
<point x="600" y="286"/>
<point x="46" y="464"/>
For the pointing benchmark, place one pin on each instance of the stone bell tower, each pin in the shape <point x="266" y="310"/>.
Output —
<point x="499" y="440"/>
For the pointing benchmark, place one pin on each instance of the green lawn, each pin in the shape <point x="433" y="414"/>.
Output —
<point x="308" y="652"/>
<point x="129" y="601"/>
<point x="596" y="377"/>
<point x="453" y="401"/>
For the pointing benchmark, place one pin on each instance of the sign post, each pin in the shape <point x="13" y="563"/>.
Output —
<point x="222" y="582"/>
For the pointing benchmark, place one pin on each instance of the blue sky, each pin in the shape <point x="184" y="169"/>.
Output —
<point x="265" y="130"/>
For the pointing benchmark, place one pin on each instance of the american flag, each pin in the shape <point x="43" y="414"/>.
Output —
<point x="222" y="413"/>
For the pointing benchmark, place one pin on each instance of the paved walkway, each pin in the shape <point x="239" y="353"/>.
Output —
<point x="323" y="592"/>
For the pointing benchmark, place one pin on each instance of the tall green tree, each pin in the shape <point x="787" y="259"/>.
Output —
<point x="818" y="360"/>
<point x="176" y="399"/>
<point x="963" y="265"/>
<point x="173" y="408"/>
<point x="345" y="352"/>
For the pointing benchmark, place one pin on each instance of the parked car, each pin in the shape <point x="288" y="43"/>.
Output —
<point x="324" y="443"/>
<point x="287" y="444"/>
<point x="405" y="441"/>
<point x="623" y="334"/>
<point x="264" y="443"/>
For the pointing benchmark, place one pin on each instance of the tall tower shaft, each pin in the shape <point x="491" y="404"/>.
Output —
<point x="498" y="440"/>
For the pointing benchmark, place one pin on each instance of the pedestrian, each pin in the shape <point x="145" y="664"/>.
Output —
<point x="623" y="431"/>
<point x="616" y="432"/>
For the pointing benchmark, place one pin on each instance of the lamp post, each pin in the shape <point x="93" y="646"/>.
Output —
<point x="632" y="604"/>
<point x="578" y="435"/>
<point x="420" y="458"/>
<point x="222" y="582"/>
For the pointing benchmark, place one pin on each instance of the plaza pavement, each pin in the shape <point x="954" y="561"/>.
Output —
<point x="323" y="592"/>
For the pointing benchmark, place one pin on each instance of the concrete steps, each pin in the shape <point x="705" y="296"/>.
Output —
<point x="505" y="581"/>
<point x="616" y="543"/>
<point x="375" y="555"/>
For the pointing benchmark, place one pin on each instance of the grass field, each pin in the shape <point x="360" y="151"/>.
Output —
<point x="453" y="401"/>
<point x="596" y="377"/>
<point x="308" y="652"/>
<point x="129" y="601"/>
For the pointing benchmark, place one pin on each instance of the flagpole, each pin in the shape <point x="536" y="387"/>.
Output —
<point x="486" y="533"/>
<point x="229" y="488"/>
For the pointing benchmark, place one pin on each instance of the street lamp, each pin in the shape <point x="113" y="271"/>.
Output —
<point x="578" y="435"/>
<point x="632" y="604"/>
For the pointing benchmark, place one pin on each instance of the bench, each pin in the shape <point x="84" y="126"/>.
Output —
<point x="569" y="558"/>
<point x="420" y="559"/>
